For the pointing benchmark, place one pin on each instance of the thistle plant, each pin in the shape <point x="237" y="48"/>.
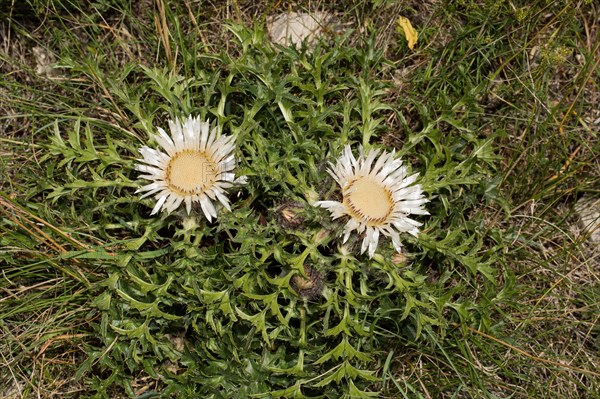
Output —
<point x="377" y="197"/>
<point x="197" y="167"/>
<point x="213" y="288"/>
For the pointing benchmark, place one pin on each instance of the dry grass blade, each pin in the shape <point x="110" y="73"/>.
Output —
<point x="31" y="223"/>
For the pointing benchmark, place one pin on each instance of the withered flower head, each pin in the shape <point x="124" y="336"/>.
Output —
<point x="288" y="214"/>
<point x="309" y="286"/>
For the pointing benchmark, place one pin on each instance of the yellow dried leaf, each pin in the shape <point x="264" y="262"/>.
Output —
<point x="410" y="33"/>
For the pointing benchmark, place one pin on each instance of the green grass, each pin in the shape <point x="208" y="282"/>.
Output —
<point x="496" y="108"/>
